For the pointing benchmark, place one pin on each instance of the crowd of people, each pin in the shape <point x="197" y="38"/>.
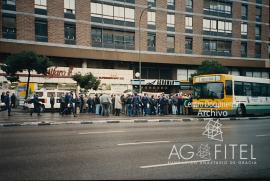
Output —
<point x="9" y="101"/>
<point x="130" y="104"/>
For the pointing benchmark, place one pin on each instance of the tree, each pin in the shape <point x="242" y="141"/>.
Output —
<point x="87" y="81"/>
<point x="210" y="67"/>
<point x="29" y="61"/>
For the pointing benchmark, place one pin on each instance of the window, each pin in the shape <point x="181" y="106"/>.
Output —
<point x="170" y="2"/>
<point x="112" y="39"/>
<point x="151" y="41"/>
<point x="243" y="49"/>
<point x="209" y="25"/>
<point x="41" y="4"/>
<point x="188" y="44"/>
<point x="217" y="46"/>
<point x="69" y="6"/>
<point x="9" y="2"/>
<point x="119" y="13"/>
<point x="152" y="3"/>
<point x="244" y="11"/>
<point x="112" y="12"/>
<point x="96" y="34"/>
<point x="228" y="87"/>
<point x="258" y="13"/>
<point x="9" y="27"/>
<point x="151" y="18"/>
<point x="170" y="43"/>
<point x="264" y="90"/>
<point x="188" y="22"/>
<point x="189" y="4"/>
<point x="9" y="5"/>
<point x="258" y="31"/>
<point x="108" y="39"/>
<point x="217" y="26"/>
<point x="256" y="90"/>
<point x="96" y="9"/>
<point x="238" y="88"/>
<point x="247" y="89"/>
<point x="218" y="6"/>
<point x="129" y="14"/>
<point x="244" y="27"/>
<point x="41" y="30"/>
<point x="170" y="20"/>
<point x="258" y="50"/>
<point x="107" y="11"/>
<point x="70" y="33"/>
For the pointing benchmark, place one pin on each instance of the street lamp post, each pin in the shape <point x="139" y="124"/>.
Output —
<point x="140" y="61"/>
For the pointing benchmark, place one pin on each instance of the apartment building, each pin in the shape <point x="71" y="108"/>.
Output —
<point x="170" y="37"/>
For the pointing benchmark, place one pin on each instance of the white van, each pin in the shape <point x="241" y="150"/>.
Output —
<point x="44" y="98"/>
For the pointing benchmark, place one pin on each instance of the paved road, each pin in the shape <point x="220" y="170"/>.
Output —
<point x="133" y="151"/>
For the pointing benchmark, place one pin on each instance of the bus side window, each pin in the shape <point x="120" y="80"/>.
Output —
<point x="268" y="90"/>
<point x="228" y="87"/>
<point x="238" y="88"/>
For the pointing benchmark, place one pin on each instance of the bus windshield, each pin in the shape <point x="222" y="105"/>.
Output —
<point x="209" y="90"/>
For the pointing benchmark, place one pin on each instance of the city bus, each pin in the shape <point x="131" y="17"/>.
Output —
<point x="222" y="95"/>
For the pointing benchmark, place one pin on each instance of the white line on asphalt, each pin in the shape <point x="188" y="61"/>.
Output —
<point x="263" y="135"/>
<point x="140" y="143"/>
<point x="101" y="132"/>
<point x="175" y="163"/>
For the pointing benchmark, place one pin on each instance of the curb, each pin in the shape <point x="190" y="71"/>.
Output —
<point x="48" y="123"/>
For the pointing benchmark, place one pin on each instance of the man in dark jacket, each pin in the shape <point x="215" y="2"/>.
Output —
<point x="2" y="96"/>
<point x="36" y="106"/>
<point x="13" y="100"/>
<point x="52" y="101"/>
<point x="7" y="101"/>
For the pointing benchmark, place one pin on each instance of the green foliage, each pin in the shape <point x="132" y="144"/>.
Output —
<point x="87" y="81"/>
<point x="210" y="67"/>
<point x="29" y="61"/>
<point x="25" y="61"/>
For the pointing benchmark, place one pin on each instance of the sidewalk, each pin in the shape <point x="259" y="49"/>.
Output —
<point x="19" y="118"/>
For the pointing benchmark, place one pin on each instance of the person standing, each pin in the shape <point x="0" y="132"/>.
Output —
<point x="105" y="102"/>
<point x="81" y="103"/>
<point x="97" y="103"/>
<point x="2" y="96"/>
<point x="52" y="101"/>
<point x="145" y="104"/>
<point x="36" y="106"/>
<point x="13" y="100"/>
<point x="7" y="101"/>
<point x="117" y="105"/>
<point x="136" y="102"/>
<point x="129" y="105"/>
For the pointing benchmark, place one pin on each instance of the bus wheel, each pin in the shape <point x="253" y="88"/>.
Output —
<point x="241" y="110"/>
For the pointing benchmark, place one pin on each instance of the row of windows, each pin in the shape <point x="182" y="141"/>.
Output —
<point x="41" y="33"/>
<point x="217" y="26"/>
<point x="112" y="12"/>
<point x="112" y="39"/>
<point x="218" y="6"/>
<point x="217" y="47"/>
<point x="251" y="89"/>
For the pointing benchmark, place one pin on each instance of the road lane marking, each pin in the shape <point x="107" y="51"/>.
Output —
<point x="140" y="143"/>
<point x="262" y="135"/>
<point x="100" y="132"/>
<point x="176" y="163"/>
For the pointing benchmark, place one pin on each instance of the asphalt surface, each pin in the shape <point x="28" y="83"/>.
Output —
<point x="133" y="151"/>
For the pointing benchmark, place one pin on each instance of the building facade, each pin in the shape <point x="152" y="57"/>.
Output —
<point x="171" y="37"/>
